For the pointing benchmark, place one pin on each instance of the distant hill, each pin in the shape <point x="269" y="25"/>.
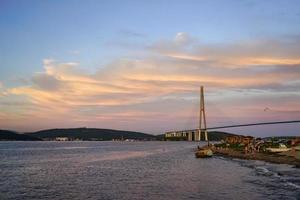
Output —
<point x="94" y="134"/>
<point x="13" y="136"/>
<point x="160" y="137"/>
<point x="90" y="134"/>
<point x="280" y="138"/>
<point x="218" y="135"/>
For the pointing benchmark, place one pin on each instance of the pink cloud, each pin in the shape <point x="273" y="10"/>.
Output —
<point x="160" y="91"/>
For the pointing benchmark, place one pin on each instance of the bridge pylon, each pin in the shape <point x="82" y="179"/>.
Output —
<point x="202" y="117"/>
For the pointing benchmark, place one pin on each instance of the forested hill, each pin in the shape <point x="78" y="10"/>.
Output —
<point x="94" y="134"/>
<point x="91" y="134"/>
<point x="13" y="136"/>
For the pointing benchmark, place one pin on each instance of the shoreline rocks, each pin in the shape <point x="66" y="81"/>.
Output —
<point x="268" y="157"/>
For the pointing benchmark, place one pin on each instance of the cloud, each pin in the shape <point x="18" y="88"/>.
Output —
<point x="46" y="82"/>
<point x="2" y="90"/>
<point x="240" y="79"/>
<point x="233" y="55"/>
<point x="130" y="33"/>
<point x="179" y="45"/>
<point x="182" y="38"/>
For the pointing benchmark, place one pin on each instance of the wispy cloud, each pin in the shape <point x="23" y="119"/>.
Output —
<point x="234" y="54"/>
<point x="244" y="77"/>
<point x="131" y="33"/>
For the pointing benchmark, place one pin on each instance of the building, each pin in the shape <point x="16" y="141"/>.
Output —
<point x="62" y="139"/>
<point x="187" y="135"/>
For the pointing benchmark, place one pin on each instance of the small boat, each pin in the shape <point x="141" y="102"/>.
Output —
<point x="281" y="148"/>
<point x="203" y="153"/>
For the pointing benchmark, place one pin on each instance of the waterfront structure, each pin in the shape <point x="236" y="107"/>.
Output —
<point x="188" y="135"/>
<point x="62" y="139"/>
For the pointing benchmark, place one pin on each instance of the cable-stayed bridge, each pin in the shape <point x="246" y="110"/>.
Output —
<point x="195" y="134"/>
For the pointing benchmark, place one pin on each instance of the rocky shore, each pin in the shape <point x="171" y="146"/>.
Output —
<point x="291" y="158"/>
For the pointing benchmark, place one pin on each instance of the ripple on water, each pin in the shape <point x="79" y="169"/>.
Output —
<point x="137" y="170"/>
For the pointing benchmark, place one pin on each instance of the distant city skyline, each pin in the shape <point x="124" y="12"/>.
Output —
<point x="138" y="65"/>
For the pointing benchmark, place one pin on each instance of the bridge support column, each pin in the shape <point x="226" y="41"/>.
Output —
<point x="206" y="138"/>
<point x="202" y="114"/>
<point x="190" y="136"/>
<point x="197" y="135"/>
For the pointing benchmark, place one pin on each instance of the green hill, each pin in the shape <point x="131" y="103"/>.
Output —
<point x="90" y="134"/>
<point x="6" y="135"/>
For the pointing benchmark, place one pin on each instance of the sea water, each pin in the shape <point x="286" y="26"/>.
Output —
<point x="136" y="170"/>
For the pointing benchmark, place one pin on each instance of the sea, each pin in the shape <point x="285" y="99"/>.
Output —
<point x="155" y="170"/>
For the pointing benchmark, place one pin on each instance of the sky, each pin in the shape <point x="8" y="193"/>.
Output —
<point x="138" y="65"/>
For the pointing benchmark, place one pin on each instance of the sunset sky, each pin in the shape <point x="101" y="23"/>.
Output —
<point x="138" y="65"/>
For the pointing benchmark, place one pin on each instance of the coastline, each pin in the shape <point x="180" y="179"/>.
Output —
<point x="286" y="158"/>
